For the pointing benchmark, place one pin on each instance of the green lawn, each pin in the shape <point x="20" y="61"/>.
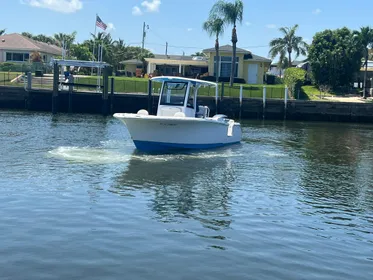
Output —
<point x="7" y="77"/>
<point x="139" y="85"/>
<point x="313" y="93"/>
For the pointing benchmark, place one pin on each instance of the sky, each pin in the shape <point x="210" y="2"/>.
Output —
<point x="179" y="22"/>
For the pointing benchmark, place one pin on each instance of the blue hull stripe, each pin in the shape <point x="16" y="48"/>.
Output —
<point x="149" y="146"/>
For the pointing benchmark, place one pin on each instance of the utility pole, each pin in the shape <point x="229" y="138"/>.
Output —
<point x="143" y="36"/>
<point x="166" y="47"/>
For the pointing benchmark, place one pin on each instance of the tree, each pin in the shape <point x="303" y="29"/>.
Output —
<point x="81" y="52"/>
<point x="294" y="78"/>
<point x="65" y="40"/>
<point x="199" y="54"/>
<point x="370" y="53"/>
<point x="2" y="31"/>
<point x="214" y="26"/>
<point x="103" y="39"/>
<point x="365" y="39"/>
<point x="334" y="57"/>
<point x="286" y="45"/>
<point x="27" y="34"/>
<point x="231" y="13"/>
<point x="36" y="57"/>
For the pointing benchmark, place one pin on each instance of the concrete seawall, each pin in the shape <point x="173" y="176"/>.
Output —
<point x="83" y="102"/>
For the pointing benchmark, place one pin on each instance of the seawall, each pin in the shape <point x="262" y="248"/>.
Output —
<point x="84" y="102"/>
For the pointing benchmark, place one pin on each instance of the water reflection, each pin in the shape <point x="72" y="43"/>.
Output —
<point x="192" y="186"/>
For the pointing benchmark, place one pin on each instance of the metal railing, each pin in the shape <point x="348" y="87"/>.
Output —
<point x="140" y="86"/>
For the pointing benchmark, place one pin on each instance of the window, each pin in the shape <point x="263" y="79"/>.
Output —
<point x="18" y="57"/>
<point x="173" y="93"/>
<point x="225" y="66"/>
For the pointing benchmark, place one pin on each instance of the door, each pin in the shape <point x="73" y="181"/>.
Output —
<point x="252" y="74"/>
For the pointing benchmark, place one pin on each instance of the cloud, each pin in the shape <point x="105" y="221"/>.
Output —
<point x="307" y="40"/>
<point x="316" y="12"/>
<point x="151" y="6"/>
<point x="136" y="11"/>
<point x="248" y="23"/>
<point x="61" y="6"/>
<point x="271" y="26"/>
<point x="110" y="27"/>
<point x="189" y="29"/>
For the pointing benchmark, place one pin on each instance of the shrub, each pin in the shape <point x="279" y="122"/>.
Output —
<point x="223" y="79"/>
<point x="270" y="79"/>
<point x="294" y="79"/>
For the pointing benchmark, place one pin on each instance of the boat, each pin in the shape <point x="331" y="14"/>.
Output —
<point x="179" y="122"/>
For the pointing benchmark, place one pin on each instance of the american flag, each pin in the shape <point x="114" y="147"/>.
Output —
<point x="100" y="23"/>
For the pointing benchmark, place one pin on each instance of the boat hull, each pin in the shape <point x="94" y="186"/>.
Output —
<point x="152" y="133"/>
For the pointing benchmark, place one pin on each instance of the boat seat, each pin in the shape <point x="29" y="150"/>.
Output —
<point x="168" y="111"/>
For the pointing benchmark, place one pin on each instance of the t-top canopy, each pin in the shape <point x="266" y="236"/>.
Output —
<point x="182" y="80"/>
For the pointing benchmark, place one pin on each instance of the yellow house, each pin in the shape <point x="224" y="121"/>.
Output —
<point x="249" y="66"/>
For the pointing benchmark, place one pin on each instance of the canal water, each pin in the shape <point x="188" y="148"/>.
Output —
<point x="294" y="200"/>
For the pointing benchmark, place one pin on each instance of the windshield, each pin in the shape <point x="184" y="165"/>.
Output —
<point x="174" y="93"/>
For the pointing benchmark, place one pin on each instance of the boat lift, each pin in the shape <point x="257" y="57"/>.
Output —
<point x="102" y="67"/>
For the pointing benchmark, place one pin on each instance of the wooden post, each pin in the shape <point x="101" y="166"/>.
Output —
<point x="29" y="81"/>
<point x="112" y="96"/>
<point x="71" y="88"/>
<point x="28" y="88"/>
<point x="286" y="100"/>
<point x="241" y="94"/>
<point x="56" y="77"/>
<point x="150" y="97"/>
<point x="264" y="100"/>
<point x="216" y="98"/>
<point x="105" y="92"/>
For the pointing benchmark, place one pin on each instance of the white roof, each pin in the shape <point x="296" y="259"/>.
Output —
<point x="80" y="63"/>
<point x="180" y="80"/>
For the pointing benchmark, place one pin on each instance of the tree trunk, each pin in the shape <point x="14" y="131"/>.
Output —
<point x="290" y="64"/>
<point x="234" y="45"/>
<point x="365" y="75"/>
<point x="217" y="62"/>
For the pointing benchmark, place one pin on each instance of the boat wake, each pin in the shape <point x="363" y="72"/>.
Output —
<point x="110" y="153"/>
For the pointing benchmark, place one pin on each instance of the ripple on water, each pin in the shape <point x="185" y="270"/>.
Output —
<point x="79" y="201"/>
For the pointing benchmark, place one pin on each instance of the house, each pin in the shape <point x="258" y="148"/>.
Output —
<point x="177" y="65"/>
<point x="249" y="66"/>
<point x="168" y="65"/>
<point x="274" y="69"/>
<point x="16" y="48"/>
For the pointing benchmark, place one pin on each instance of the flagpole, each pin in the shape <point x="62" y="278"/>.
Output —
<point x="94" y="44"/>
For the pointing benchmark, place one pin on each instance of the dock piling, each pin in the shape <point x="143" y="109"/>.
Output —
<point x="264" y="100"/>
<point x="286" y="101"/>
<point x="105" y="92"/>
<point x="241" y="94"/>
<point x="112" y="95"/>
<point x="56" y="77"/>
<point x="150" y="97"/>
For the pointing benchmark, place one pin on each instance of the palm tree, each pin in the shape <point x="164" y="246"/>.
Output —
<point x="215" y="27"/>
<point x="287" y="44"/>
<point x="2" y="31"/>
<point x="198" y="54"/>
<point x="365" y="37"/>
<point x="231" y="13"/>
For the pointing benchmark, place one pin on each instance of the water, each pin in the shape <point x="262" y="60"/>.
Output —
<point x="293" y="201"/>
